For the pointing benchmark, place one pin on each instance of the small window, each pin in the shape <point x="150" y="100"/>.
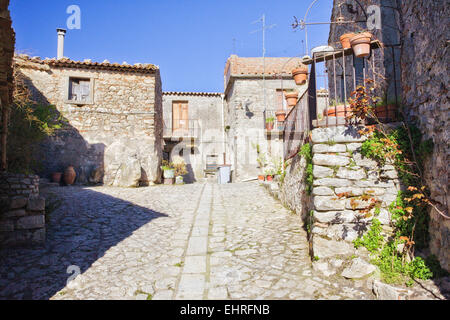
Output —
<point x="80" y="90"/>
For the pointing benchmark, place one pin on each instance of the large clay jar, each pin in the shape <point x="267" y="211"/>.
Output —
<point x="291" y="98"/>
<point x="345" y="40"/>
<point x="69" y="175"/>
<point x="300" y="75"/>
<point x="360" y="43"/>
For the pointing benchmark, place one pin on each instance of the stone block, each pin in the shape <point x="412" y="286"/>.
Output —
<point x="364" y="162"/>
<point x="358" y="269"/>
<point x="325" y="148"/>
<point x="322" y="172"/>
<point x="351" y="147"/>
<point x="18" y="202"/>
<point x="350" y="190"/>
<point x="330" y="160"/>
<point x="351" y="174"/>
<point x="322" y="191"/>
<point x="338" y="134"/>
<point x="334" y="216"/>
<point x="332" y="182"/>
<point x="36" y="204"/>
<point x="15" y="213"/>
<point x="31" y="222"/>
<point x="325" y="203"/>
<point x="324" y="248"/>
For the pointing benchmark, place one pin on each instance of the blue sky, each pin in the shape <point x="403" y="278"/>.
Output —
<point x="189" y="40"/>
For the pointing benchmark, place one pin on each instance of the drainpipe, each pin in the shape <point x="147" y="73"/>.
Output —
<point x="61" y="35"/>
<point x="223" y="128"/>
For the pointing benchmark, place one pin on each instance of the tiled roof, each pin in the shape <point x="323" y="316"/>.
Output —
<point x="180" y="93"/>
<point x="239" y="66"/>
<point x="88" y="64"/>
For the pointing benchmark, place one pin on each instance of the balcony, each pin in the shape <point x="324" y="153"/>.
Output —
<point x="185" y="129"/>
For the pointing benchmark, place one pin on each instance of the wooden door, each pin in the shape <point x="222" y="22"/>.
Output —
<point x="180" y="117"/>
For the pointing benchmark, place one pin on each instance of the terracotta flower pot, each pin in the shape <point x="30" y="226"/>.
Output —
<point x="300" y="75"/>
<point x="69" y="175"/>
<point x="269" y="178"/>
<point x="291" y="98"/>
<point x="56" y="177"/>
<point x="338" y="111"/>
<point x="360" y="43"/>
<point x="261" y="177"/>
<point x="281" y="115"/>
<point x="345" y="40"/>
<point x="269" y="126"/>
<point x="386" y="112"/>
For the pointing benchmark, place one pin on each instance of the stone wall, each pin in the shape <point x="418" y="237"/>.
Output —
<point x="339" y="168"/>
<point x="22" y="211"/>
<point x="244" y="114"/>
<point x="425" y="84"/>
<point x="205" y="131"/>
<point x="117" y="138"/>
<point x="292" y="189"/>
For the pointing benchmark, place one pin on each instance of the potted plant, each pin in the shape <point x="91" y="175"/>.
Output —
<point x="261" y="177"/>
<point x="386" y="110"/>
<point x="269" y="174"/>
<point x="360" y="43"/>
<point x="269" y="123"/>
<point x="291" y="98"/>
<point x="180" y="170"/>
<point x="281" y="115"/>
<point x="168" y="171"/>
<point x="345" y="40"/>
<point x="300" y="74"/>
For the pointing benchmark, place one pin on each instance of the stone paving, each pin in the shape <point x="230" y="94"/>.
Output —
<point x="198" y="241"/>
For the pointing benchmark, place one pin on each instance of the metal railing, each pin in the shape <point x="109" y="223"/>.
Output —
<point x="345" y="74"/>
<point x="186" y="129"/>
<point x="296" y="127"/>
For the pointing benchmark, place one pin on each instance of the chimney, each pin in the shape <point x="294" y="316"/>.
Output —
<point x="61" y="35"/>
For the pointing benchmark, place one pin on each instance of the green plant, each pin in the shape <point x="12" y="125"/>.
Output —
<point x="180" y="168"/>
<point x="306" y="153"/>
<point x="167" y="165"/>
<point x="270" y="120"/>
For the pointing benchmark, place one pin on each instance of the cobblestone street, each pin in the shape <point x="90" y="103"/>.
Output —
<point x="198" y="241"/>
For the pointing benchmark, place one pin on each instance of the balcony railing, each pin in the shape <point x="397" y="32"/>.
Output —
<point x="185" y="129"/>
<point x="296" y="127"/>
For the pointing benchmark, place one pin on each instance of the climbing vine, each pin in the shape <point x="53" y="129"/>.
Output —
<point x="306" y="153"/>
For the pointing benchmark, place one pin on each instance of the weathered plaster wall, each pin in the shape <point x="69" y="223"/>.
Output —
<point x="205" y="123"/>
<point x="244" y="115"/>
<point x="425" y="83"/>
<point x="120" y="134"/>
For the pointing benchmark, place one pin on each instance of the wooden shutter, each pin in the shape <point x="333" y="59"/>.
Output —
<point x="180" y="117"/>
<point x="84" y="90"/>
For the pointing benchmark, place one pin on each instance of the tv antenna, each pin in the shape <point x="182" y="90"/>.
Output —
<point x="262" y="20"/>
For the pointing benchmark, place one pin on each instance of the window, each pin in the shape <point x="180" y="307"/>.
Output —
<point x="281" y="101"/>
<point x="80" y="90"/>
<point x="180" y="117"/>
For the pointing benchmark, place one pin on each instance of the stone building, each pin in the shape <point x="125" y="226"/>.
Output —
<point x="113" y="118"/>
<point x="254" y="92"/>
<point x="194" y="131"/>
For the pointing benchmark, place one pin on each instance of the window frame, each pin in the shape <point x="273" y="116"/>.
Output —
<point x="67" y="90"/>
